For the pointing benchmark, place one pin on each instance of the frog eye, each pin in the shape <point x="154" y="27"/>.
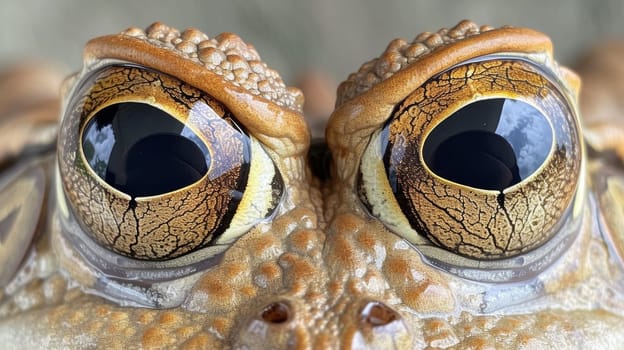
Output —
<point x="482" y="160"/>
<point x="154" y="169"/>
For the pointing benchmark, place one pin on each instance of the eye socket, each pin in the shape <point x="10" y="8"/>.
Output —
<point x="154" y="169"/>
<point x="482" y="160"/>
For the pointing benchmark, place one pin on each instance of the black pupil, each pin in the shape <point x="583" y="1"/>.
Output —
<point x="489" y="144"/>
<point x="143" y="151"/>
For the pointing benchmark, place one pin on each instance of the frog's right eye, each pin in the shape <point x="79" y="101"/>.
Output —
<point x="154" y="169"/>
<point x="483" y="159"/>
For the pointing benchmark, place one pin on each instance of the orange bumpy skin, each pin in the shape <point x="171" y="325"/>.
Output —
<point x="323" y="270"/>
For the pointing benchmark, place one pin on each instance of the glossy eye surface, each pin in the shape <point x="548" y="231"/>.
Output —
<point x="489" y="144"/>
<point x="482" y="160"/>
<point x="154" y="169"/>
<point x="142" y="151"/>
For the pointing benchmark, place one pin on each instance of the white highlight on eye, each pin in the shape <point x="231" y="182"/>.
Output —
<point x="257" y="198"/>
<point x="379" y="195"/>
<point x="103" y="147"/>
<point x="527" y="130"/>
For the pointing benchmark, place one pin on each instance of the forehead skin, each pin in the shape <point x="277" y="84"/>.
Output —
<point x="345" y="280"/>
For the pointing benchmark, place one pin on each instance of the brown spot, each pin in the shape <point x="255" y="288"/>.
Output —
<point x="264" y="244"/>
<point x="398" y="266"/>
<point x="248" y="290"/>
<point x="477" y="343"/>
<point x="186" y="331"/>
<point x="102" y="310"/>
<point x="303" y="240"/>
<point x="129" y="332"/>
<point x="298" y="266"/>
<point x="118" y="322"/>
<point x="472" y="326"/>
<point x="235" y="270"/>
<point x="335" y="288"/>
<point x="118" y="316"/>
<point x="94" y="327"/>
<point x="285" y="225"/>
<point x="76" y="317"/>
<point x="522" y="339"/>
<point x="301" y="337"/>
<point x="169" y="319"/>
<point x="325" y="341"/>
<point x="439" y="333"/>
<point x="145" y="317"/>
<point x="344" y="252"/>
<point x="348" y="223"/>
<point x="507" y="325"/>
<point x="200" y="341"/>
<point x="270" y="270"/>
<point x="221" y="324"/>
<point x="484" y="322"/>
<point x="435" y="325"/>
<point x="155" y="337"/>
<point x="428" y="297"/>
<point x="313" y="296"/>
<point x="354" y="286"/>
<point x="367" y="240"/>
<point x="214" y="285"/>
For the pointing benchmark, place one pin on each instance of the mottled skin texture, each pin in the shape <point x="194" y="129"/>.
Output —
<point x="322" y="272"/>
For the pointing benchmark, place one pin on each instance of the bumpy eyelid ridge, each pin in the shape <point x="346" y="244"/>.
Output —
<point x="358" y="118"/>
<point x="282" y="129"/>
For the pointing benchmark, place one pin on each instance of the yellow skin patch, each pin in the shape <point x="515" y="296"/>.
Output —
<point x="321" y="271"/>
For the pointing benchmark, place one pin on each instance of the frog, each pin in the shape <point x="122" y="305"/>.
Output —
<point x="455" y="202"/>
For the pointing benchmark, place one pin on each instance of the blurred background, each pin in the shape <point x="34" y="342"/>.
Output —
<point x="335" y="37"/>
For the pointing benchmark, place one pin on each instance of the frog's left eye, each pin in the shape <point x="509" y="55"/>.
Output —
<point x="154" y="169"/>
<point x="482" y="160"/>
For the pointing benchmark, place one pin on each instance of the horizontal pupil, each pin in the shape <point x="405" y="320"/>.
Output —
<point x="489" y="144"/>
<point x="143" y="151"/>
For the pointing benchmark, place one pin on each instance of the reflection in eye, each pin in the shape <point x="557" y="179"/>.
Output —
<point x="142" y="150"/>
<point x="154" y="169"/>
<point x="489" y="144"/>
<point x="478" y="163"/>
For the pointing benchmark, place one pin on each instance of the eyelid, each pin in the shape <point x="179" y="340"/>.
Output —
<point x="276" y="123"/>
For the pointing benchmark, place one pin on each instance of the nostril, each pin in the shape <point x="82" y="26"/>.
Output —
<point x="276" y="313"/>
<point x="378" y="314"/>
